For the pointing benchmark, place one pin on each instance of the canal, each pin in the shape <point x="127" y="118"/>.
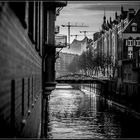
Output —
<point x="74" y="114"/>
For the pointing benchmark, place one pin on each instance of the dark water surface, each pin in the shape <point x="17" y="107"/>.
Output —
<point x="75" y="115"/>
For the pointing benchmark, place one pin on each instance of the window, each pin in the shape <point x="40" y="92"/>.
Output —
<point x="134" y="27"/>
<point x="31" y="21"/>
<point x="134" y="42"/>
<point x="36" y="25"/>
<point x="130" y="42"/>
<point x="125" y="75"/>
<point x="130" y="52"/>
<point x="138" y="59"/>
<point x="32" y="90"/>
<point x="126" y="42"/>
<point x="23" y="97"/>
<point x="13" y="104"/>
<point x="139" y="53"/>
<point x="137" y="42"/>
<point x="129" y="76"/>
<point x="28" y="92"/>
<point x="136" y="63"/>
<point x="119" y="72"/>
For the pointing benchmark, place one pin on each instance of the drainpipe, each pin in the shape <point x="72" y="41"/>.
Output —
<point x="48" y="60"/>
<point x="48" y="69"/>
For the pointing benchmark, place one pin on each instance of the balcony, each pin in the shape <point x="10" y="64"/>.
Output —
<point x="60" y="41"/>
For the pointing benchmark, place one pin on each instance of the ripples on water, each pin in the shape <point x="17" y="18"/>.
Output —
<point x="75" y="115"/>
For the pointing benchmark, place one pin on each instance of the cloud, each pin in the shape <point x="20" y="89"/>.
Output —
<point x="109" y="6"/>
<point x="90" y="13"/>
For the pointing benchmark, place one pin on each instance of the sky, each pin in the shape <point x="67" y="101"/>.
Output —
<point x="90" y="13"/>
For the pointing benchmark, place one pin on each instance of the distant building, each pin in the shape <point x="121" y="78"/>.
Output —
<point x="78" y="46"/>
<point x="120" y="40"/>
<point x="131" y="47"/>
<point x="61" y="65"/>
<point x="96" y="36"/>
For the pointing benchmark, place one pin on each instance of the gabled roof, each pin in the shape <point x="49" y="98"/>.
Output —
<point x="136" y="20"/>
<point x="76" y="45"/>
<point x="78" y="42"/>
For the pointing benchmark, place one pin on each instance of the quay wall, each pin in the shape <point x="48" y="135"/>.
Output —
<point x="125" y="96"/>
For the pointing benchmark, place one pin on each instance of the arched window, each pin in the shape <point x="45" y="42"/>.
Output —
<point x="134" y="27"/>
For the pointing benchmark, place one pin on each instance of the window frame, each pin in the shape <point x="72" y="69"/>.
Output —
<point x="138" y="43"/>
<point x="128" y="50"/>
<point x="130" y="42"/>
<point x="134" y="27"/>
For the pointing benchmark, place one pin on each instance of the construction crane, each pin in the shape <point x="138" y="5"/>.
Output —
<point x="76" y="36"/>
<point x="69" y="26"/>
<point x="79" y="35"/>
<point x="87" y="32"/>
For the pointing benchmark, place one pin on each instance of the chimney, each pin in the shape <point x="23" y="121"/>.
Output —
<point x="130" y="14"/>
<point x="110" y="20"/>
<point x="122" y="13"/>
<point x="116" y="15"/>
<point x="121" y="9"/>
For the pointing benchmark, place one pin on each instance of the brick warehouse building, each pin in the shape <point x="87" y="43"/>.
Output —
<point x="26" y="37"/>
<point x="120" y="40"/>
<point x="131" y="49"/>
<point x="129" y="60"/>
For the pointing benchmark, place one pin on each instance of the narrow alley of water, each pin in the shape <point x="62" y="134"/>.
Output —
<point x="77" y="115"/>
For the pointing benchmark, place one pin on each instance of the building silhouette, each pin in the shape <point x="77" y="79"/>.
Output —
<point x="119" y="40"/>
<point x="27" y="52"/>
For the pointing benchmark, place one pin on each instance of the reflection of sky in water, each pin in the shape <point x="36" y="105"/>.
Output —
<point x="78" y="116"/>
<point x="64" y="86"/>
<point x="65" y="101"/>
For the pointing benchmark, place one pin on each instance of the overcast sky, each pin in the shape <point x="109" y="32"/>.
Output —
<point x="90" y="13"/>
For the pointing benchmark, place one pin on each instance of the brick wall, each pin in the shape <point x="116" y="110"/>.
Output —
<point x="20" y="79"/>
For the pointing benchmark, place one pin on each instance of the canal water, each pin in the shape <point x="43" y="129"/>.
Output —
<point x="84" y="115"/>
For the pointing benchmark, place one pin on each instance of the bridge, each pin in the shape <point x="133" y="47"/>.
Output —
<point x="79" y="79"/>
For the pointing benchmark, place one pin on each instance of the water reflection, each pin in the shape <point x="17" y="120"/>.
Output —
<point x="76" y="115"/>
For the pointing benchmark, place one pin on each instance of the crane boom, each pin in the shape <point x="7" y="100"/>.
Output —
<point x="86" y="32"/>
<point x="76" y="36"/>
<point x="69" y="26"/>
